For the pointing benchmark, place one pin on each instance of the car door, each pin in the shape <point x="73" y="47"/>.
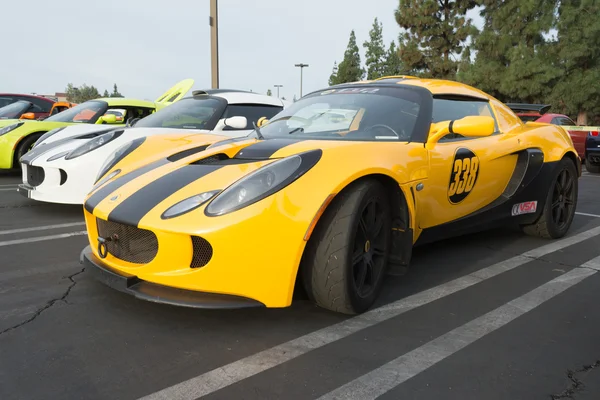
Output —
<point x="176" y="92"/>
<point x="465" y="174"/>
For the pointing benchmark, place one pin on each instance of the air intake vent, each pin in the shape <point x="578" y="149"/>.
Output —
<point x="203" y="252"/>
<point x="214" y="159"/>
<point x="186" y="153"/>
<point x="128" y="243"/>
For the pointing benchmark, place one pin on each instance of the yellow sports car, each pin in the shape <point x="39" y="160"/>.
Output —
<point x="332" y="194"/>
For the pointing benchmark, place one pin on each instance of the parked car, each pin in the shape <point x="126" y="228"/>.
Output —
<point x="39" y="106"/>
<point x="539" y="113"/>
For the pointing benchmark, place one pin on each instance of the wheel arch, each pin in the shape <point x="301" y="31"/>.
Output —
<point x="403" y="221"/>
<point x="18" y="143"/>
<point x="576" y="160"/>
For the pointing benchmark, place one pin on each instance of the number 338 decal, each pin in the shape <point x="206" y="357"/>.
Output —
<point x="463" y="177"/>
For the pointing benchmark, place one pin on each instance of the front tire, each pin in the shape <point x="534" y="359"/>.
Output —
<point x="24" y="146"/>
<point x="561" y="201"/>
<point x="592" y="169"/>
<point x="347" y="255"/>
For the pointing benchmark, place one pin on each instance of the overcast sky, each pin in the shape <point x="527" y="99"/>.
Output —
<point x="145" y="46"/>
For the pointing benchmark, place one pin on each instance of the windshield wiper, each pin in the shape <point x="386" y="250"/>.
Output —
<point x="257" y="130"/>
<point x="296" y="130"/>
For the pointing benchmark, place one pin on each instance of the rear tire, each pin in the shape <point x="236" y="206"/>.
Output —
<point x="561" y="201"/>
<point x="347" y="256"/>
<point x="593" y="169"/>
<point x="24" y="146"/>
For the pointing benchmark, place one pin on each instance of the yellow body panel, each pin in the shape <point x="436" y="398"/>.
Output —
<point x="257" y="250"/>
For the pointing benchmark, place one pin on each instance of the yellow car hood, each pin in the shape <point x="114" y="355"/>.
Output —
<point x="139" y="197"/>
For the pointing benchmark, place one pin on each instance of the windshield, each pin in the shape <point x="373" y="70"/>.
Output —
<point x="87" y="112"/>
<point x="201" y="112"/>
<point x="14" y="110"/>
<point x="361" y="113"/>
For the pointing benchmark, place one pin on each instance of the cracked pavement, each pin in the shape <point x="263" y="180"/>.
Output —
<point x="65" y="336"/>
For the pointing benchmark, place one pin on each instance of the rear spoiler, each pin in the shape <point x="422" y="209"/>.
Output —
<point x="522" y="107"/>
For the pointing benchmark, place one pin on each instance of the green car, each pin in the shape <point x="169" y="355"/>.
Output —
<point x="17" y="137"/>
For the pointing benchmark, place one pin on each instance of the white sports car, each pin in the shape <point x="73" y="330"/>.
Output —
<point x="64" y="164"/>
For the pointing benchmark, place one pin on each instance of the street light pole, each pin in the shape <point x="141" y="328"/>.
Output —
<point x="214" y="43"/>
<point x="301" y="68"/>
<point x="278" y="86"/>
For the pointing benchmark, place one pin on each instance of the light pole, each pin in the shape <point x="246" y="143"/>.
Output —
<point x="214" y="43"/>
<point x="301" y="68"/>
<point x="278" y="86"/>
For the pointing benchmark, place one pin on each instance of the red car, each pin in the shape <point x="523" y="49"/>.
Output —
<point x="38" y="105"/>
<point x="539" y="113"/>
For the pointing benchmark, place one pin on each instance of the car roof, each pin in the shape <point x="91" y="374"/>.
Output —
<point x="435" y="86"/>
<point x="28" y="96"/>
<point x="234" y="96"/>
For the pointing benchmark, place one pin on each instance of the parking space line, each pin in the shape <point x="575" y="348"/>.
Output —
<point x="247" y="367"/>
<point x="41" y="238"/>
<point x="390" y="375"/>
<point x="41" y="228"/>
<point x="588" y="215"/>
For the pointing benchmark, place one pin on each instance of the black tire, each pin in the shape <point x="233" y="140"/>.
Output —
<point x="329" y="276"/>
<point x="561" y="201"/>
<point x="24" y="147"/>
<point x="592" y="169"/>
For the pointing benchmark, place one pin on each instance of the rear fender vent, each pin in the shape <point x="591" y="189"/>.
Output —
<point x="202" y="252"/>
<point x="186" y="153"/>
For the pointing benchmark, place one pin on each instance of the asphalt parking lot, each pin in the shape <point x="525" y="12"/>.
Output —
<point x="497" y="315"/>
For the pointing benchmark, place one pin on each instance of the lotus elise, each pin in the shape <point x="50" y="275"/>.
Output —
<point x="331" y="194"/>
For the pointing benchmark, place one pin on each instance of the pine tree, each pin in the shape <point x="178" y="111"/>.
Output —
<point x="375" y="51"/>
<point x="513" y="60"/>
<point x="269" y="93"/>
<point x="105" y="95"/>
<point x="393" y="63"/>
<point x="350" y="69"/>
<point x="578" y="54"/>
<point x="435" y="32"/>
<point x="333" y="77"/>
<point x="115" y="92"/>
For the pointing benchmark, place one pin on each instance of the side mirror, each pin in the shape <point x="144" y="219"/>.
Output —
<point x="236" y="122"/>
<point x="473" y="126"/>
<point x="109" y="119"/>
<point x="28" y="115"/>
<point x="262" y="121"/>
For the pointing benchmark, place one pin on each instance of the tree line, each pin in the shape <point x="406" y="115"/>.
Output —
<point x="84" y="93"/>
<point x="530" y="51"/>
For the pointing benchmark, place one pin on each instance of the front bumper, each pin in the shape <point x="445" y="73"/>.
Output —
<point x="55" y="185"/>
<point x="153" y="292"/>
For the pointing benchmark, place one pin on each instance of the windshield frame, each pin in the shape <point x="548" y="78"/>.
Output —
<point x="73" y="111"/>
<point x="421" y="126"/>
<point x="174" y="108"/>
<point x="15" y="106"/>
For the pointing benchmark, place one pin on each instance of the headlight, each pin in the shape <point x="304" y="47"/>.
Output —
<point x="262" y="183"/>
<point x="47" y="135"/>
<point x="57" y="156"/>
<point x="6" y="129"/>
<point x="93" y="144"/>
<point x="118" y="155"/>
<point x="189" y="204"/>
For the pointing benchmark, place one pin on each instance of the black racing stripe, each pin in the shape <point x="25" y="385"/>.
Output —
<point x="264" y="148"/>
<point x="133" y="208"/>
<point x="104" y="191"/>
<point x="186" y="153"/>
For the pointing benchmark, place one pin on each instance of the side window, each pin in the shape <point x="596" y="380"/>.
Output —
<point x="451" y="108"/>
<point x="252" y="112"/>
<point x="567" y="122"/>
<point x="40" y="106"/>
<point x="4" y="101"/>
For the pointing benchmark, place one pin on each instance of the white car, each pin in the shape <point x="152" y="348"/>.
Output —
<point x="63" y="165"/>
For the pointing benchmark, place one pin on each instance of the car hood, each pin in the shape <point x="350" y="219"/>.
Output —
<point x="139" y="196"/>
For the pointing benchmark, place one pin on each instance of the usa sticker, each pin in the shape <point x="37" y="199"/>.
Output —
<point x="529" y="207"/>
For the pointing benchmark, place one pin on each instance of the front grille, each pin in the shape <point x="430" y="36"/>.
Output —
<point x="128" y="243"/>
<point x="203" y="252"/>
<point x="35" y="175"/>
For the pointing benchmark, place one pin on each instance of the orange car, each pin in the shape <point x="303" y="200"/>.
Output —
<point x="57" y="107"/>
